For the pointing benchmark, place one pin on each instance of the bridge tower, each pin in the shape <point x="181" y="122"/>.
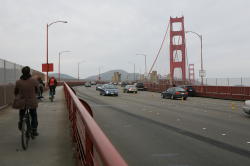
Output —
<point x="177" y="49"/>
<point x="191" y="73"/>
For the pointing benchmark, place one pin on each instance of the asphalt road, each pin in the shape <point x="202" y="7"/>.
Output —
<point x="150" y="131"/>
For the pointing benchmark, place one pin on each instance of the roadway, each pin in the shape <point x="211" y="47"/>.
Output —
<point x="150" y="131"/>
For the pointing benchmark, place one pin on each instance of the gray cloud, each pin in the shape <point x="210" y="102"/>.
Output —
<point x="109" y="33"/>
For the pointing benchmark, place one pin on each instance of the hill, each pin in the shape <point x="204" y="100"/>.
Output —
<point x="62" y="76"/>
<point x="107" y="76"/>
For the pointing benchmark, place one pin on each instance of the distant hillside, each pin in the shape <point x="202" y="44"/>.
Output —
<point x="107" y="76"/>
<point x="62" y="76"/>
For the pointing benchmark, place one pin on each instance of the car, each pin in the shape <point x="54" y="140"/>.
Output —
<point x="130" y="88"/>
<point x="139" y="86"/>
<point x="98" y="87"/>
<point x="246" y="107"/>
<point x="87" y="84"/>
<point x="109" y="89"/>
<point x="93" y="83"/>
<point x="189" y="89"/>
<point x="174" y="93"/>
<point x="123" y="84"/>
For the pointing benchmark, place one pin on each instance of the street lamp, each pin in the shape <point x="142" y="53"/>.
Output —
<point x="202" y="71"/>
<point x="99" y="70"/>
<point x="59" y="64"/>
<point x="47" y="45"/>
<point x="145" y="74"/>
<point x="78" y="64"/>
<point x="134" y="69"/>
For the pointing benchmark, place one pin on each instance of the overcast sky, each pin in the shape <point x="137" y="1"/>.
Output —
<point x="108" y="33"/>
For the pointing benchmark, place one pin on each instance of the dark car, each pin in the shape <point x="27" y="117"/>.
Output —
<point x="130" y="89"/>
<point x="98" y="87"/>
<point x="140" y="86"/>
<point x="174" y="93"/>
<point x="109" y="89"/>
<point x="87" y="84"/>
<point x="189" y="89"/>
<point x="123" y="84"/>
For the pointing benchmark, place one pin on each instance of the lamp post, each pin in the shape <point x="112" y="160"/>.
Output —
<point x="59" y="64"/>
<point x="202" y="71"/>
<point x="47" y="45"/>
<point x="78" y="64"/>
<point x="134" y="69"/>
<point x="145" y="73"/>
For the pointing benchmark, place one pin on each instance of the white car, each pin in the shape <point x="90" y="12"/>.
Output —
<point x="246" y="107"/>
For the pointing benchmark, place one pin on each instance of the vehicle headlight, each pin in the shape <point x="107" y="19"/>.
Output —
<point x="107" y="91"/>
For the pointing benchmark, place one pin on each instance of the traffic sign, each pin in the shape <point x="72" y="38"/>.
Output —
<point x="50" y="67"/>
<point x="202" y="73"/>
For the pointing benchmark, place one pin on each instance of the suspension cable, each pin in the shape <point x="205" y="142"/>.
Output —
<point x="159" y="49"/>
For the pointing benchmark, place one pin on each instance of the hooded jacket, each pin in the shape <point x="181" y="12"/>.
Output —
<point x="27" y="88"/>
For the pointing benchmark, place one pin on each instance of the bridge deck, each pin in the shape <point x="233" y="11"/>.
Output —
<point x="52" y="147"/>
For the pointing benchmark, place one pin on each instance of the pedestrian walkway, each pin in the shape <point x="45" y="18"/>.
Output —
<point x="53" y="146"/>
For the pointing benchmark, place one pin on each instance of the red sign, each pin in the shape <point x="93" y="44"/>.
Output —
<point x="48" y="68"/>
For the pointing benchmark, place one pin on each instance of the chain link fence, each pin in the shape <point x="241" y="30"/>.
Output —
<point x="243" y="81"/>
<point x="9" y="74"/>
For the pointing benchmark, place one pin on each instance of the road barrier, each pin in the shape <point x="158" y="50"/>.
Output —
<point x="220" y="92"/>
<point x="224" y="92"/>
<point x="93" y="148"/>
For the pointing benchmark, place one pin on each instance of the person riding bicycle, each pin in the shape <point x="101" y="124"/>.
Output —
<point x="52" y="86"/>
<point x="26" y="89"/>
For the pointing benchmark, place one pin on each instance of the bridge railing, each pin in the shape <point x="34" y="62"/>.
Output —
<point x="93" y="148"/>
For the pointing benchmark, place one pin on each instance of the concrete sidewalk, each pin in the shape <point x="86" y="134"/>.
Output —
<point x="53" y="146"/>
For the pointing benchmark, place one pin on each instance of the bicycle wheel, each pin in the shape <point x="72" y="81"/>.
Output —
<point x="25" y="134"/>
<point x="51" y="98"/>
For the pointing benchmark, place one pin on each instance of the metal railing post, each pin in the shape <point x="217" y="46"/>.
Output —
<point x="4" y="83"/>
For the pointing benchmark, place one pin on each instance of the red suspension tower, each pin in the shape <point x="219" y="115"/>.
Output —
<point x="177" y="49"/>
<point x="191" y="73"/>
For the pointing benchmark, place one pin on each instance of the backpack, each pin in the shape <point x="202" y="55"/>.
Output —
<point x="52" y="82"/>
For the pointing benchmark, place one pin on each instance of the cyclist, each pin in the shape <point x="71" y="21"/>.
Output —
<point x="52" y="86"/>
<point x="27" y="88"/>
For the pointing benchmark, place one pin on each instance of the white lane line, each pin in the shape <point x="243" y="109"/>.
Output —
<point x="248" y="142"/>
<point x="204" y="128"/>
<point x="165" y="155"/>
<point x="223" y="134"/>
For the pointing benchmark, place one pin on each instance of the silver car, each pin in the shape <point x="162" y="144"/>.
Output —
<point x="246" y="107"/>
<point x="130" y="89"/>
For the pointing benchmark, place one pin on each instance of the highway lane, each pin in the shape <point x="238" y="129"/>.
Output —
<point x="148" y="130"/>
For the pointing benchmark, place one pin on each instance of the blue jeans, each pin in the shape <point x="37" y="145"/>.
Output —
<point x="33" y="114"/>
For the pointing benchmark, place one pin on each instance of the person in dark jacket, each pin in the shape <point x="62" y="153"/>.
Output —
<point x="27" y="89"/>
<point x="41" y="87"/>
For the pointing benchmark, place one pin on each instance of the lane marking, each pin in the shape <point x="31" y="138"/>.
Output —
<point x="204" y="128"/>
<point x="223" y="134"/>
<point x="165" y="155"/>
<point x="248" y="142"/>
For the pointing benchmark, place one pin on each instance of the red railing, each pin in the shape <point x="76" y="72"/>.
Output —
<point x="93" y="148"/>
<point x="221" y="92"/>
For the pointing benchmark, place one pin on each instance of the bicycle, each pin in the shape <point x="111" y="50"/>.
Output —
<point x="26" y="131"/>
<point x="51" y="95"/>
